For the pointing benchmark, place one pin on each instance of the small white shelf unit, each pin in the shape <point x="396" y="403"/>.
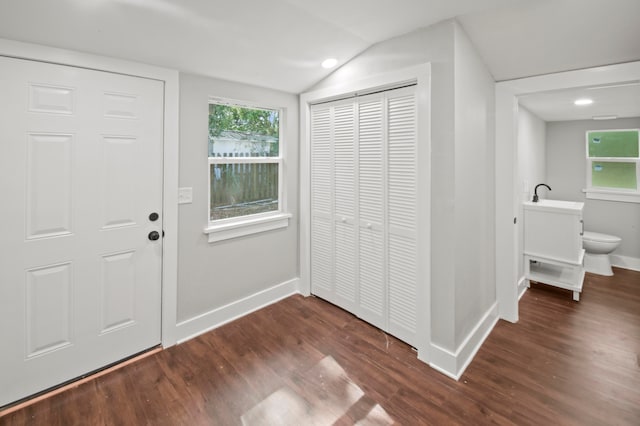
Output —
<point x="553" y="252"/>
<point x="560" y="274"/>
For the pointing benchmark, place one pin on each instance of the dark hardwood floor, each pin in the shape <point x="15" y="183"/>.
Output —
<point x="306" y="362"/>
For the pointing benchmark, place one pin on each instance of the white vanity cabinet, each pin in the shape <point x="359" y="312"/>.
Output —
<point x="553" y="252"/>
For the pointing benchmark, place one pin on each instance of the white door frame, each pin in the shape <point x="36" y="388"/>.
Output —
<point x="507" y="186"/>
<point x="170" y="78"/>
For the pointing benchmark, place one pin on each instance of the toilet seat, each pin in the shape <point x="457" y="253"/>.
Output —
<point x="598" y="237"/>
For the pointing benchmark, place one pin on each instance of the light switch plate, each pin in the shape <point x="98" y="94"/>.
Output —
<point x="185" y="195"/>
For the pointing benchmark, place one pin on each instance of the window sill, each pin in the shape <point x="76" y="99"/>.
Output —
<point x="247" y="226"/>
<point x="601" y="194"/>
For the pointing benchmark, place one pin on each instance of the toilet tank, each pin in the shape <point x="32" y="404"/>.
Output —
<point x="553" y="230"/>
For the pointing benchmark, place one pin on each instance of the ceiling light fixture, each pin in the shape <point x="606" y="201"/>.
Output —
<point x="581" y="102"/>
<point x="604" y="117"/>
<point x="329" y="63"/>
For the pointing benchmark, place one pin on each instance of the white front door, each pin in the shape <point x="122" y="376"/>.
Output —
<point x="80" y="176"/>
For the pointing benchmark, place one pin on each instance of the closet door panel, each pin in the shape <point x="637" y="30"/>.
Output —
<point x="403" y="287"/>
<point x="322" y="244"/>
<point x="402" y="199"/>
<point x="371" y="162"/>
<point x="345" y="266"/>
<point x="371" y="205"/>
<point x="344" y="158"/>
<point x="401" y="157"/>
<point x="322" y="258"/>
<point x="372" y="306"/>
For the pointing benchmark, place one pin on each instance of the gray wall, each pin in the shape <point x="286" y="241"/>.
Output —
<point x="566" y="174"/>
<point x="475" y="287"/>
<point x="532" y="167"/>
<point x="213" y="275"/>
<point x="462" y="169"/>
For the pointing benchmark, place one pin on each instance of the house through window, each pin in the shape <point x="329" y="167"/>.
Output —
<point x="245" y="162"/>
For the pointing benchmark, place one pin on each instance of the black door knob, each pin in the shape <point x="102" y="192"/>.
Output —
<point x="153" y="217"/>
<point x="154" y="235"/>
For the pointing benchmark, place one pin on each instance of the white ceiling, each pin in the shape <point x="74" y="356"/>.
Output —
<point x="620" y="100"/>
<point x="547" y="36"/>
<point x="280" y="43"/>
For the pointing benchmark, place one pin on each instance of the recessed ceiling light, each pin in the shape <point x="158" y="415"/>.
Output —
<point x="329" y="63"/>
<point x="605" y="117"/>
<point x="583" y="102"/>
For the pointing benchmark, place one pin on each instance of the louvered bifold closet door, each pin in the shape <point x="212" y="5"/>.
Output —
<point x="322" y="238"/>
<point x="402" y="213"/>
<point x="371" y="203"/>
<point x="345" y="228"/>
<point x="364" y="208"/>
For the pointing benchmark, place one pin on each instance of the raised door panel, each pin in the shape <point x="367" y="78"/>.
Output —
<point x="119" y="200"/>
<point x="117" y="291"/>
<point x="50" y="160"/>
<point x="49" y="309"/>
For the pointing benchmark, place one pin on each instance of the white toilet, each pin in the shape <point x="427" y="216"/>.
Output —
<point x="597" y="248"/>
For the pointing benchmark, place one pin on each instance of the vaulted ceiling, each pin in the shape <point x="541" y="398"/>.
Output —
<point x="280" y="43"/>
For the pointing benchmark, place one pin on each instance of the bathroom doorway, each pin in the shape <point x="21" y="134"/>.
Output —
<point x="510" y="95"/>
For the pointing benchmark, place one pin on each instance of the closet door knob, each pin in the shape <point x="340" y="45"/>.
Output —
<point x="369" y="226"/>
<point x="344" y="220"/>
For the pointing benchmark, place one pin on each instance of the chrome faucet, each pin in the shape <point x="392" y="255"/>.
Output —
<point x="535" y="191"/>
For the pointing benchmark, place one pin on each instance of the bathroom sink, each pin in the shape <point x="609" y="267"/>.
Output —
<point x="550" y="205"/>
<point x="553" y="230"/>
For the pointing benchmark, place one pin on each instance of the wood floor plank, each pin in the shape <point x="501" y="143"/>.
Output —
<point x="305" y="361"/>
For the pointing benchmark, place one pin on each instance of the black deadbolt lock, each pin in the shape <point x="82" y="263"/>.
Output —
<point x="153" y="217"/>
<point x="154" y="235"/>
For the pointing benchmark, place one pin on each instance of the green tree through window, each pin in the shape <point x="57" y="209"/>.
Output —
<point x="247" y="121"/>
<point x="244" y="159"/>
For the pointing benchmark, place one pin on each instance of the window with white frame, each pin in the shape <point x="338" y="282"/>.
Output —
<point x="245" y="168"/>
<point x="613" y="165"/>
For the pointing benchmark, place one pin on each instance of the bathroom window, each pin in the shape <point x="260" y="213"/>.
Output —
<point x="245" y="170"/>
<point x="613" y="165"/>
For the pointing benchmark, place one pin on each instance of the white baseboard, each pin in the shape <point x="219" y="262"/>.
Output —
<point x="193" y="327"/>
<point x="625" y="262"/>
<point x="453" y="364"/>
<point x="523" y="285"/>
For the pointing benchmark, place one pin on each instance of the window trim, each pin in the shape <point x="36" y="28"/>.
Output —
<point x="224" y="229"/>
<point x="611" y="194"/>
